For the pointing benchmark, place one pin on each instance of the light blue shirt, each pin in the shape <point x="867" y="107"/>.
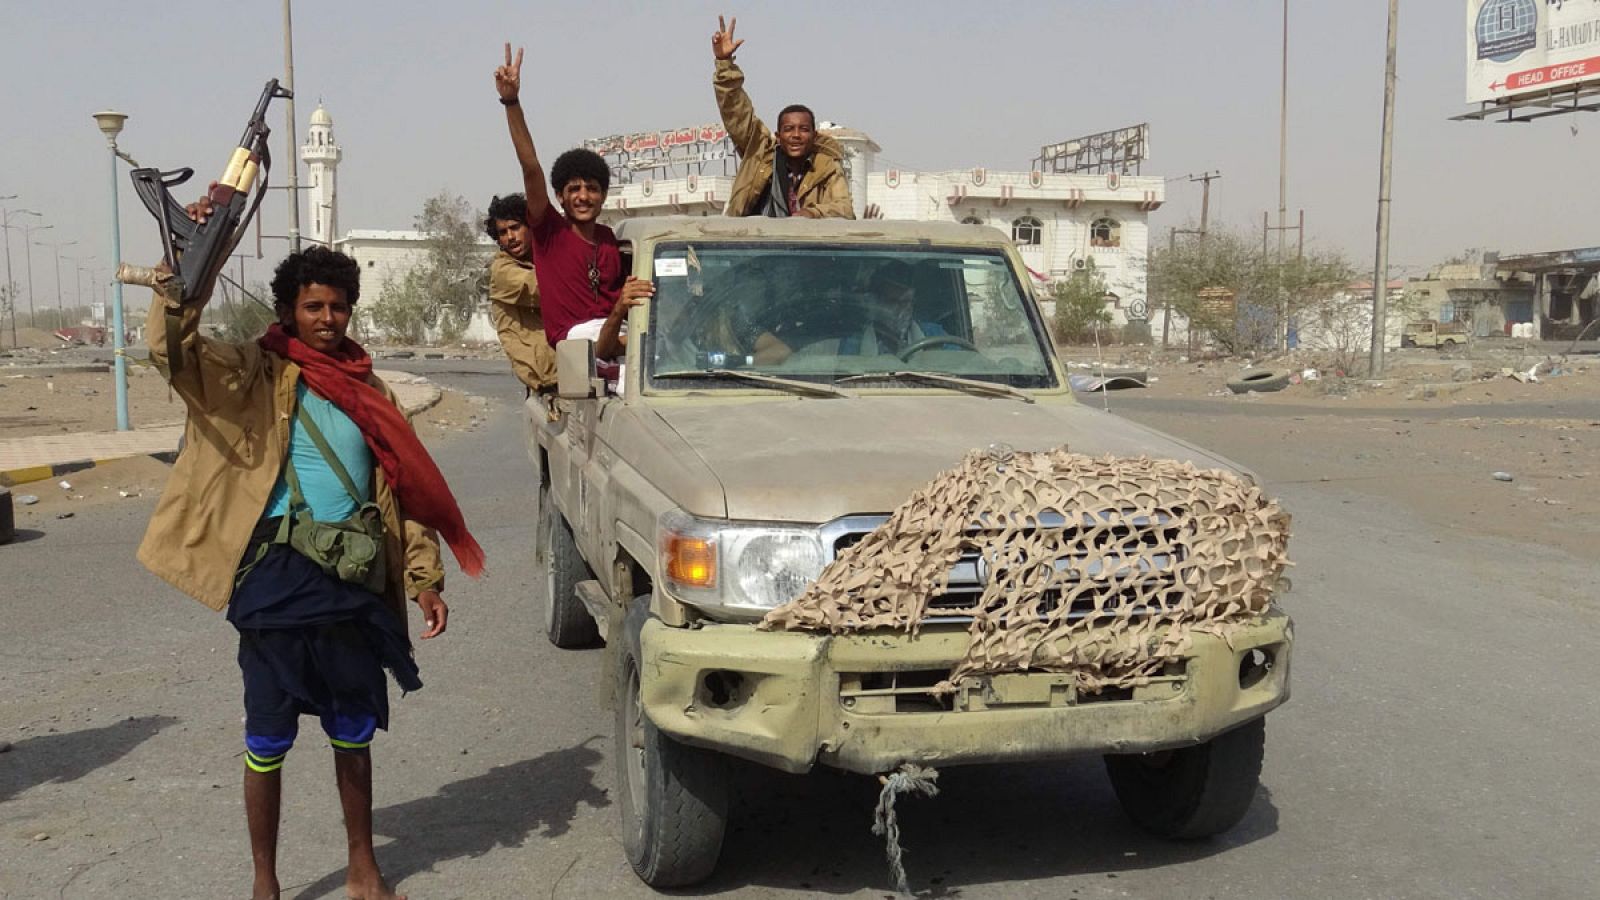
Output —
<point x="324" y="493"/>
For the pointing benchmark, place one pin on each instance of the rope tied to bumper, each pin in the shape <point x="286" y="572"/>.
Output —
<point x="908" y="779"/>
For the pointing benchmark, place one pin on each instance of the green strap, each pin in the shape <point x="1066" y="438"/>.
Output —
<point x="328" y="456"/>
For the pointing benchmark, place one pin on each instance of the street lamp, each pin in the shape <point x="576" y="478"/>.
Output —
<point x="77" y="278"/>
<point x="61" y="306"/>
<point x="111" y="123"/>
<point x="11" y="292"/>
<point x="27" y="248"/>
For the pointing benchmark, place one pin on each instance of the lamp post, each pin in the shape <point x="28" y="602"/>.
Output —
<point x="110" y="123"/>
<point x="61" y="306"/>
<point x="6" y="226"/>
<point x="27" y="248"/>
<point x="77" y="278"/>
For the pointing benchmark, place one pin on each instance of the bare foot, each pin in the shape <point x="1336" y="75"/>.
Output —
<point x="265" y="889"/>
<point x="369" y="886"/>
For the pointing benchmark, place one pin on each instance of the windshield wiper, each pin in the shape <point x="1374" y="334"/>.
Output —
<point x="793" y="386"/>
<point x="969" y="385"/>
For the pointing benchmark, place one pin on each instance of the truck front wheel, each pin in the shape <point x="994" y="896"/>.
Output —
<point x="674" y="799"/>
<point x="1193" y="792"/>
<point x="557" y="570"/>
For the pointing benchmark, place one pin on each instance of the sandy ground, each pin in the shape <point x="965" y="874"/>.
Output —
<point x="33" y="404"/>
<point x="120" y="481"/>
<point x="84" y="401"/>
<point x="1431" y="433"/>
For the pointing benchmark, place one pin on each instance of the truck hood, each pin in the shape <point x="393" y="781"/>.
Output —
<point x="813" y="460"/>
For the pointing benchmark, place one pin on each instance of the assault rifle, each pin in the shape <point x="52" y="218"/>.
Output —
<point x="195" y="252"/>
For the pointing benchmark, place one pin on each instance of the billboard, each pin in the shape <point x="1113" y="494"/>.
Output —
<point x="1118" y="152"/>
<point x="1517" y="47"/>
<point x="699" y="150"/>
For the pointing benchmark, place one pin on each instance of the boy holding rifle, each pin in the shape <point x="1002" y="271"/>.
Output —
<point x="305" y="505"/>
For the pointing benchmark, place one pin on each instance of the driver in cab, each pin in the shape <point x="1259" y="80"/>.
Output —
<point x="885" y="324"/>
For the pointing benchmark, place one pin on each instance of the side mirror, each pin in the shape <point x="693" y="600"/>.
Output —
<point x="575" y="373"/>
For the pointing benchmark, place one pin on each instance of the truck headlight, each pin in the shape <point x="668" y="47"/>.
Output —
<point x="736" y="570"/>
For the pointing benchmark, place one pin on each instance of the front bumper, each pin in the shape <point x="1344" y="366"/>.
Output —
<point x="790" y="700"/>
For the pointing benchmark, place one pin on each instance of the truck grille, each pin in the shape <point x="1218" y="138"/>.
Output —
<point x="1149" y="581"/>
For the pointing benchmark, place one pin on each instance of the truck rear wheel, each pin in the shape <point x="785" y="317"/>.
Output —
<point x="558" y="569"/>
<point x="1193" y="792"/>
<point x="674" y="798"/>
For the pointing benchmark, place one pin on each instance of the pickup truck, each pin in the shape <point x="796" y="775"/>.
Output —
<point x="791" y="382"/>
<point x="1428" y="333"/>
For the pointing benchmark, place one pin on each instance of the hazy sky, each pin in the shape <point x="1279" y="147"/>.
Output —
<point x="940" y="85"/>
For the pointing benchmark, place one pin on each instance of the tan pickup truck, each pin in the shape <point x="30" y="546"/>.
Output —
<point x="789" y="385"/>
<point x="1428" y="333"/>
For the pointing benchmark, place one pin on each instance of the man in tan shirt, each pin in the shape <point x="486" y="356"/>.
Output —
<point x="514" y="296"/>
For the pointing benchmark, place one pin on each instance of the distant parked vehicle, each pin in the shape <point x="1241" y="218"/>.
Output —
<point x="1429" y="333"/>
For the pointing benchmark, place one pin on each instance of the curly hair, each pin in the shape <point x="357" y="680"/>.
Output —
<point x="512" y="206"/>
<point x="583" y="164"/>
<point x="314" y="265"/>
<point x="797" y="108"/>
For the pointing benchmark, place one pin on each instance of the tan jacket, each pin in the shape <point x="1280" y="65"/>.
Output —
<point x="825" y="188"/>
<point x="240" y="400"/>
<point x="514" y="310"/>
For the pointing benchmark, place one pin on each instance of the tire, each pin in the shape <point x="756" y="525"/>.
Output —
<point x="558" y="569"/>
<point x="1262" y="381"/>
<point x="674" y="797"/>
<point x="1194" y="792"/>
<point x="8" y="520"/>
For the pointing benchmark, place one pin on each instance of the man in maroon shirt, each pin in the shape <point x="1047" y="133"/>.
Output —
<point x="578" y="259"/>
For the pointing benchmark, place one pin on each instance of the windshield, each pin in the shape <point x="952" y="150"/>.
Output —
<point x="820" y="313"/>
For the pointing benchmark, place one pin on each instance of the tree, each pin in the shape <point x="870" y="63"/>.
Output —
<point x="406" y="312"/>
<point x="439" y="295"/>
<point x="1227" y="262"/>
<point x="1080" y="305"/>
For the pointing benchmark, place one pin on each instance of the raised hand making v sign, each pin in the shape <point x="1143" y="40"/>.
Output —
<point x="578" y="259"/>
<point x="723" y="46"/>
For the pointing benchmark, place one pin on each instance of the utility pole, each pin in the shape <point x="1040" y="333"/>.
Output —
<point x="294" y="152"/>
<point x="61" y="306"/>
<point x="1283" y="183"/>
<point x="27" y="249"/>
<point x="10" y="291"/>
<point x="1172" y="247"/>
<point x="1380" y="274"/>
<point x="1205" y="179"/>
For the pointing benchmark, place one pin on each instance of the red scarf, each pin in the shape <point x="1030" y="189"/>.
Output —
<point x="341" y="378"/>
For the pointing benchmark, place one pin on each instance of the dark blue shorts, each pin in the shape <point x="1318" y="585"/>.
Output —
<point x="310" y="644"/>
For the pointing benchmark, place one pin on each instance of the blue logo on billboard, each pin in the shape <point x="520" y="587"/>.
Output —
<point x="1505" y="28"/>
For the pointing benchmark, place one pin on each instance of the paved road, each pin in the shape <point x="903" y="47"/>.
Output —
<point x="1439" y="743"/>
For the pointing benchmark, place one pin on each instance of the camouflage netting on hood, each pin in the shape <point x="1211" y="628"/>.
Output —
<point x="1098" y="567"/>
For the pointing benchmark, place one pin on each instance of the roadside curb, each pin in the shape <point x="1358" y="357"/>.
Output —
<point x="28" y="474"/>
<point x="415" y="393"/>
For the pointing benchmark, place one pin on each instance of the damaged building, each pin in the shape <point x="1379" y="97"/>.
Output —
<point x="1557" y="291"/>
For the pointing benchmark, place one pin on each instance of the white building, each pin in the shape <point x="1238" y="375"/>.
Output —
<point x="1061" y="223"/>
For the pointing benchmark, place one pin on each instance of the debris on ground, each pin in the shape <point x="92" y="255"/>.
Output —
<point x="1502" y="476"/>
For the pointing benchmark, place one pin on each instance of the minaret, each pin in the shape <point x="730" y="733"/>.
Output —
<point x="321" y="156"/>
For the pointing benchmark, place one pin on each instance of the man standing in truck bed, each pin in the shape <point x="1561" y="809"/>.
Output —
<point x="514" y="296"/>
<point x="796" y="172"/>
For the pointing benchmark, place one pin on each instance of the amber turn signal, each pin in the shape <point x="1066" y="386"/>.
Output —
<point x="691" y="561"/>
